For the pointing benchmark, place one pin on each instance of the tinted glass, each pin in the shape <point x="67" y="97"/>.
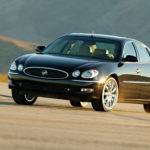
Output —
<point x="87" y="47"/>
<point x="129" y="50"/>
<point x="144" y="54"/>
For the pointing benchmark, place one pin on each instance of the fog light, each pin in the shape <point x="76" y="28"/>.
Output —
<point x="20" y="67"/>
<point x="87" y="90"/>
<point x="76" y="73"/>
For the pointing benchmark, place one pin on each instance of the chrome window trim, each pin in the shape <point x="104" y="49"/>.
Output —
<point x="137" y="82"/>
<point x="47" y="68"/>
<point x="142" y="99"/>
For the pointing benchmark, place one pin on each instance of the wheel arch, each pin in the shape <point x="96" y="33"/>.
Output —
<point x="115" y="77"/>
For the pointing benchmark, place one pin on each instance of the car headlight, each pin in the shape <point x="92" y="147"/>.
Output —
<point x="89" y="74"/>
<point x="13" y="66"/>
<point x="20" y="67"/>
<point x="76" y="73"/>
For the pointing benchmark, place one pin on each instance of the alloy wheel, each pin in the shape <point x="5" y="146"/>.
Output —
<point x="110" y="94"/>
<point x="29" y="98"/>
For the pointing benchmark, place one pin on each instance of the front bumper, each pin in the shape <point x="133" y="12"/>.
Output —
<point x="63" y="89"/>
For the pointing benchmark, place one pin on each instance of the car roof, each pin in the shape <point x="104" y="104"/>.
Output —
<point x="103" y="36"/>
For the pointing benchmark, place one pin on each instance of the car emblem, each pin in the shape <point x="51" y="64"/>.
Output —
<point x="44" y="73"/>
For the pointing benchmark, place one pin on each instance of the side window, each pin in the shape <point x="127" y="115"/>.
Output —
<point x="143" y="53"/>
<point x="129" y="50"/>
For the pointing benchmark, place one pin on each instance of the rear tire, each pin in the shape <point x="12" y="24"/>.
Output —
<point x="23" y="99"/>
<point x="147" y="108"/>
<point x="109" y="96"/>
<point x="78" y="103"/>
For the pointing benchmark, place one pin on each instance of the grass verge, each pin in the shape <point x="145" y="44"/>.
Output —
<point x="3" y="77"/>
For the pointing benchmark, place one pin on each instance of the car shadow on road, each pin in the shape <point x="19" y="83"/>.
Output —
<point x="61" y="107"/>
<point x="4" y="102"/>
<point x="48" y="106"/>
<point x="65" y="107"/>
<point x="5" y="96"/>
<point x="7" y="103"/>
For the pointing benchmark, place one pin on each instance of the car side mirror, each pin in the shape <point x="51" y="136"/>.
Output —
<point x="39" y="49"/>
<point x="130" y="58"/>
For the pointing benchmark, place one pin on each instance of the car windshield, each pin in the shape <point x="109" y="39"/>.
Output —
<point x="86" y="47"/>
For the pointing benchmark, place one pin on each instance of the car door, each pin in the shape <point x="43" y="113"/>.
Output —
<point x="130" y="74"/>
<point x="144" y="56"/>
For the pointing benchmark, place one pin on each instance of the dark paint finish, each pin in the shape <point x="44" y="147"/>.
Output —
<point x="134" y="86"/>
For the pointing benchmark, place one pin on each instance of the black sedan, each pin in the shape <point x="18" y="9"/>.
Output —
<point x="100" y="69"/>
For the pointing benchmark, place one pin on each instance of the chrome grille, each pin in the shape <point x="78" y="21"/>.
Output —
<point x="44" y="72"/>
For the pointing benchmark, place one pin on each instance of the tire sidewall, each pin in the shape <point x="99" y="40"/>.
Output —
<point x="20" y="99"/>
<point x="103" y="102"/>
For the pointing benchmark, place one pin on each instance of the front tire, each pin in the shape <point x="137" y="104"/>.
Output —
<point x="109" y="96"/>
<point x="147" y="108"/>
<point x="23" y="99"/>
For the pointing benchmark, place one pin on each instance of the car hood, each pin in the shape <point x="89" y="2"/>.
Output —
<point x="67" y="63"/>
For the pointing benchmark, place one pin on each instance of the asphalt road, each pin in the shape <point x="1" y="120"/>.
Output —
<point x="52" y="124"/>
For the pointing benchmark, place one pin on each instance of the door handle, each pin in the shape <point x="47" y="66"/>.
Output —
<point x="138" y="70"/>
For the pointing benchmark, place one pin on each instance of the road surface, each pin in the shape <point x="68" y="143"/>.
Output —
<point x="52" y="124"/>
